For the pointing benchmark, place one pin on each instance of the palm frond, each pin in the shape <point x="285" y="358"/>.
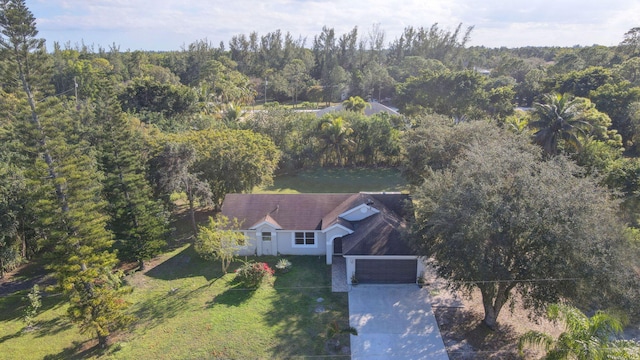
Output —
<point x="535" y="339"/>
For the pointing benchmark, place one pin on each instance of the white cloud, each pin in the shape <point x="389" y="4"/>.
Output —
<point x="167" y="24"/>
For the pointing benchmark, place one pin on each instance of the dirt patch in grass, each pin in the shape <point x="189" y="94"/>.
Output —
<point x="466" y="337"/>
<point x="460" y="317"/>
<point x="24" y="277"/>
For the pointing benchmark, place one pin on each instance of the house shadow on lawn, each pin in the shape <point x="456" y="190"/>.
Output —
<point x="187" y="263"/>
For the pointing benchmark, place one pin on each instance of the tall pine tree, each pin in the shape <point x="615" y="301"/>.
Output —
<point x="12" y="186"/>
<point x="138" y="222"/>
<point x="70" y="193"/>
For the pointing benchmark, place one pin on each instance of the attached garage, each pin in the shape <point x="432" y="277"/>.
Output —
<point x="377" y="271"/>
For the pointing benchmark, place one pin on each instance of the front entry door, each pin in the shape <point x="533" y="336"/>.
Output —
<point x="266" y="244"/>
<point x="337" y="246"/>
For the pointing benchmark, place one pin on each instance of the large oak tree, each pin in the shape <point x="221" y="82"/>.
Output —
<point x="502" y="220"/>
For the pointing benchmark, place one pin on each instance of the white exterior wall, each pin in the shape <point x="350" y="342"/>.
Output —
<point x="286" y="244"/>
<point x="250" y="249"/>
<point x="330" y="235"/>
<point x="282" y="242"/>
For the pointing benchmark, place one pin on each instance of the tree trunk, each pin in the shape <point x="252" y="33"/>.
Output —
<point x="102" y="341"/>
<point x="42" y="141"/>
<point x="141" y="265"/>
<point x="490" y="314"/>
<point x="192" y="214"/>
<point x="493" y="299"/>
<point x="23" y="249"/>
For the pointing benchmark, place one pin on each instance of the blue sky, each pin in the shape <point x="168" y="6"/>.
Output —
<point x="170" y="24"/>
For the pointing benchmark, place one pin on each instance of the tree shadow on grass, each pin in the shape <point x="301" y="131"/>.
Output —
<point x="25" y="277"/>
<point x="458" y="325"/>
<point x="187" y="263"/>
<point x="153" y="311"/>
<point x="52" y="327"/>
<point x="42" y="328"/>
<point x="11" y="336"/>
<point x="79" y="350"/>
<point x="181" y="225"/>
<point x="12" y="306"/>
<point x="235" y="295"/>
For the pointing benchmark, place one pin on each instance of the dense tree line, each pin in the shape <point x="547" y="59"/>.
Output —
<point x="95" y="142"/>
<point x="77" y="188"/>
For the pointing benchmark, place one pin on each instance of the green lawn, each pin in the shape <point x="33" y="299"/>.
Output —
<point x="187" y="309"/>
<point x="335" y="180"/>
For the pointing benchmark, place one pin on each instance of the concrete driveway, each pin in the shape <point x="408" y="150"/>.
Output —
<point x="393" y="322"/>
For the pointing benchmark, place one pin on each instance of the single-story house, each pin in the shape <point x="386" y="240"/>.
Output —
<point x="367" y="229"/>
<point x="371" y="109"/>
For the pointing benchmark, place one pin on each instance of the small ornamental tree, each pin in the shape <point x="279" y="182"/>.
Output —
<point x="220" y="239"/>
<point x="35" y="304"/>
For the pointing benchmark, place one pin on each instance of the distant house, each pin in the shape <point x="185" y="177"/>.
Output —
<point x="481" y="71"/>
<point x="367" y="229"/>
<point x="371" y="109"/>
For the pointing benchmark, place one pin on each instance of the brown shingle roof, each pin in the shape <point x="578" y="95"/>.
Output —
<point x="267" y="219"/>
<point x="351" y="202"/>
<point x="290" y="211"/>
<point x="379" y="234"/>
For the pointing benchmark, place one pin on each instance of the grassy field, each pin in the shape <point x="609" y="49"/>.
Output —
<point x="188" y="309"/>
<point x="332" y="180"/>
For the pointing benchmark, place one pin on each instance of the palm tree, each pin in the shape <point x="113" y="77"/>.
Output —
<point x="585" y="338"/>
<point x="232" y="114"/>
<point x="335" y="135"/>
<point x="517" y="124"/>
<point x="355" y="104"/>
<point x="558" y="118"/>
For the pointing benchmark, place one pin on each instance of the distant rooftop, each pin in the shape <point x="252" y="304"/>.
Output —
<point x="371" y="109"/>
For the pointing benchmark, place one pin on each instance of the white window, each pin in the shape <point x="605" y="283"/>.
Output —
<point x="305" y="238"/>
<point x="266" y="236"/>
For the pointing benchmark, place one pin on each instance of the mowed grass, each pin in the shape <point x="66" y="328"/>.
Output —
<point x="188" y="309"/>
<point x="338" y="180"/>
<point x="51" y="339"/>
